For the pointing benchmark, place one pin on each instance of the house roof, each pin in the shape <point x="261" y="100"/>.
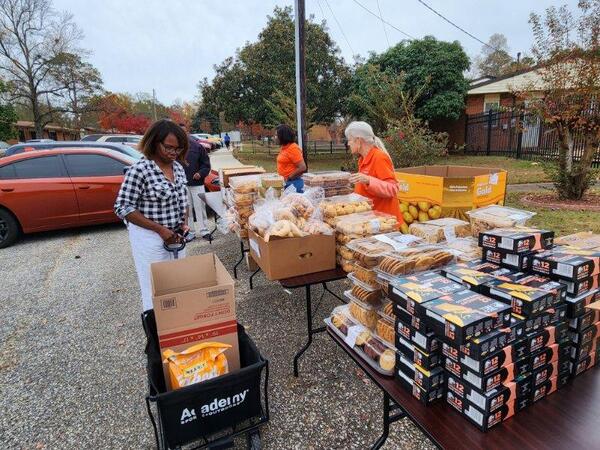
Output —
<point x="523" y="79"/>
<point x="28" y="124"/>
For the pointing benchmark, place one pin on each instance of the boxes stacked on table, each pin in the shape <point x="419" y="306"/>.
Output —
<point x="239" y="199"/>
<point x="334" y="182"/>
<point x="579" y="271"/>
<point x="357" y="226"/>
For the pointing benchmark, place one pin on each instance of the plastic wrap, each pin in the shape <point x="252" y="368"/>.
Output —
<point x="365" y="293"/>
<point x="331" y="178"/>
<point x="365" y="276"/>
<point x="495" y="216"/>
<point x="271" y="180"/>
<point x="369" y="251"/>
<point x="415" y="259"/>
<point x="440" y="230"/>
<point x="363" y="313"/>
<point x="366" y="224"/>
<point x="341" y="205"/>
<point x="465" y="249"/>
<point x="245" y="184"/>
<point x="347" y="265"/>
<point x="385" y="329"/>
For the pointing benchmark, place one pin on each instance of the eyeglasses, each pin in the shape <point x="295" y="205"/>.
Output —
<point x="171" y="149"/>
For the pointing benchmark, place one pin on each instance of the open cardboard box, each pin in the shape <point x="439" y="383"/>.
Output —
<point x="455" y="188"/>
<point x="194" y="301"/>
<point x="226" y="173"/>
<point x="289" y="257"/>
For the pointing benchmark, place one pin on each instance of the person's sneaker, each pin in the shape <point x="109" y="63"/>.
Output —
<point x="207" y="237"/>
<point x="190" y="236"/>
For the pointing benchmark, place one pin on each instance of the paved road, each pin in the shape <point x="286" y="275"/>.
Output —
<point x="72" y="369"/>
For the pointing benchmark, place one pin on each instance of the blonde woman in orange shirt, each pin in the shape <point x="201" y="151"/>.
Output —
<point x="290" y="162"/>
<point x="375" y="178"/>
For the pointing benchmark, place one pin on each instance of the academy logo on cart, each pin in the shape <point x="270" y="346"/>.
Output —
<point x="218" y="405"/>
<point x="188" y="415"/>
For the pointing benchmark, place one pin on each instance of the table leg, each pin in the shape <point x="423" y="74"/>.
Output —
<point x="389" y="417"/>
<point x="242" y="250"/>
<point x="252" y="276"/>
<point x="326" y="289"/>
<point x="309" y="328"/>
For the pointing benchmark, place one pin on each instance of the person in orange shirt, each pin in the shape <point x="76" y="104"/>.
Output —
<point x="290" y="162"/>
<point x="375" y="178"/>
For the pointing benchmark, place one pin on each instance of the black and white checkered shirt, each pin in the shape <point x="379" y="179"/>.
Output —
<point x="147" y="190"/>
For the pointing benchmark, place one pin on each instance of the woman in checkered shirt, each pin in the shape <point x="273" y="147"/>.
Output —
<point x="153" y="200"/>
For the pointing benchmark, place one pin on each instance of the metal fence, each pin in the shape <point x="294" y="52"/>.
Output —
<point x="518" y="135"/>
<point x="268" y="146"/>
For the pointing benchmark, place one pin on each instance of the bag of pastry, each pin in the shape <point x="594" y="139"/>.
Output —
<point x="197" y="363"/>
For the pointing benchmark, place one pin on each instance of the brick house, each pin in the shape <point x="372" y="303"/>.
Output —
<point x="26" y="131"/>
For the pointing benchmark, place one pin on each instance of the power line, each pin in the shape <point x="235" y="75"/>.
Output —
<point x="458" y="27"/>
<point x="384" y="21"/>
<point x="321" y="8"/>
<point x="383" y="24"/>
<point x="340" y="27"/>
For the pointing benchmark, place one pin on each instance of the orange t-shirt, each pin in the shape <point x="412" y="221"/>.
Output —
<point x="378" y="164"/>
<point x="288" y="159"/>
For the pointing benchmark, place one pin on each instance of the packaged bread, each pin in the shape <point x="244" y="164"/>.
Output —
<point x="245" y="184"/>
<point x="584" y="240"/>
<point x="337" y="190"/>
<point x="362" y="312"/>
<point x="197" y="363"/>
<point x="342" y="239"/>
<point x="385" y="329"/>
<point x="388" y="311"/>
<point x="366" y="224"/>
<point x="415" y="259"/>
<point x="345" y="252"/>
<point x="368" y="251"/>
<point x="495" y="216"/>
<point x="365" y="275"/>
<point x="366" y="294"/>
<point x="330" y="178"/>
<point x="440" y="230"/>
<point x="347" y="265"/>
<point x="272" y="180"/>
<point x="342" y="205"/>
<point x="465" y="249"/>
<point x="299" y="204"/>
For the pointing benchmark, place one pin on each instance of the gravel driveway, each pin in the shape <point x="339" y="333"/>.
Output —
<point x="72" y="369"/>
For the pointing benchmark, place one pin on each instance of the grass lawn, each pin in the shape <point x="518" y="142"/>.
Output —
<point x="562" y="222"/>
<point x="519" y="171"/>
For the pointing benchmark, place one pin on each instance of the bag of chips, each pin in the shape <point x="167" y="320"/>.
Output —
<point x="197" y="363"/>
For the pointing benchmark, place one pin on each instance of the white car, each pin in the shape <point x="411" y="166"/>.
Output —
<point x="123" y="138"/>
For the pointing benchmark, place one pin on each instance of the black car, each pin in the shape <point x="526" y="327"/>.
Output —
<point x="121" y="148"/>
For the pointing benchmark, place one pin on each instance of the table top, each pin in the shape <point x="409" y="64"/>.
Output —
<point x="215" y="201"/>
<point x="566" y="419"/>
<point x="314" y="278"/>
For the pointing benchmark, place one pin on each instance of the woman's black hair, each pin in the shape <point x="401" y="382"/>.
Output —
<point x="285" y="134"/>
<point x="157" y="133"/>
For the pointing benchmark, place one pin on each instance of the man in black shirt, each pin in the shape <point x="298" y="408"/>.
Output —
<point x="197" y="167"/>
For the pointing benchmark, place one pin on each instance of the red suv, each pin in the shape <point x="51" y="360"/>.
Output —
<point x="59" y="188"/>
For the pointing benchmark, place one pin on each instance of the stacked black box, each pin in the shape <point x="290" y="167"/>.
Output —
<point x="514" y="248"/>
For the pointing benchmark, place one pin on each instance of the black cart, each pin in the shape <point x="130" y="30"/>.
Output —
<point x="211" y="413"/>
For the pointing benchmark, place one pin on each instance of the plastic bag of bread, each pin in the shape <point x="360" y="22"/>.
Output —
<point x="341" y="205"/>
<point x="584" y="240"/>
<point x="495" y="216"/>
<point x="283" y="229"/>
<point x="366" y="224"/>
<point x="415" y="259"/>
<point x="272" y="180"/>
<point x="362" y="312"/>
<point x="313" y="226"/>
<point x="302" y="205"/>
<point x="465" y="249"/>
<point x="365" y="275"/>
<point x="368" y="251"/>
<point x="197" y="363"/>
<point x="345" y="252"/>
<point x="366" y="294"/>
<point x="440" y="230"/>
<point x="329" y="178"/>
<point x="385" y="328"/>
<point x="245" y="184"/>
<point x="347" y="265"/>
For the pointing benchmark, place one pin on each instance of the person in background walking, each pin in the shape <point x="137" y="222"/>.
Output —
<point x="153" y="200"/>
<point x="375" y="178"/>
<point x="197" y="167"/>
<point x="227" y="140"/>
<point x="290" y="162"/>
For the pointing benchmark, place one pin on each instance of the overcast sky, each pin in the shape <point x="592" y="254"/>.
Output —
<point x="170" y="45"/>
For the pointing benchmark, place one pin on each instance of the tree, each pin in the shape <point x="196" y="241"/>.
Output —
<point x="33" y="37"/>
<point x="283" y="110"/>
<point x="243" y="83"/>
<point x="495" y="58"/>
<point x="8" y="117"/>
<point x="567" y="49"/>
<point x="438" y="65"/>
<point x="81" y="80"/>
<point x="113" y="109"/>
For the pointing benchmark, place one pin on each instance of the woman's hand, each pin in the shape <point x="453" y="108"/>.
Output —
<point x="360" y="178"/>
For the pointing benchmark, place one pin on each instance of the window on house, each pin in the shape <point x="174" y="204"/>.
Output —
<point x="52" y="135"/>
<point x="21" y="136"/>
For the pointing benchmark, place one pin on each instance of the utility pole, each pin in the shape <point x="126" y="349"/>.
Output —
<point x="154" y="104"/>
<point x="300" y="78"/>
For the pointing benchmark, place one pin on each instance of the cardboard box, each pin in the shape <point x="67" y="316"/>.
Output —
<point x="473" y="275"/>
<point x="502" y="358"/>
<point x="427" y="342"/>
<point x="427" y="380"/>
<point x="548" y="355"/>
<point x="536" y="323"/>
<point x="194" y="301"/>
<point x="290" y="257"/>
<point x="227" y="172"/>
<point x="488" y="343"/>
<point x="578" y="287"/>
<point x="410" y="320"/>
<point x="584" y="321"/>
<point x="576" y="306"/>
<point x="412" y="352"/>
<point x="546" y="388"/>
<point x="456" y="189"/>
<point x="567" y="263"/>
<point x="581" y="351"/>
<point x="464" y="315"/>
<point x="525" y="300"/>
<point x="544" y="373"/>
<point x="410" y="292"/>
<point x="425" y="397"/>
<point x="584" y="336"/>
<point x="578" y="367"/>
<point x="486" y="402"/>
<point x="517" y="240"/>
<point x="554" y="334"/>
<point x="513" y="261"/>
<point x="558" y="289"/>
<point x="516" y="372"/>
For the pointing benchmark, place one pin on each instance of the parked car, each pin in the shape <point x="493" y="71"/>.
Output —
<point x="204" y="143"/>
<point x="214" y="140"/>
<point x="211" y="182"/>
<point x="31" y="141"/>
<point x="121" y="148"/>
<point x="58" y="188"/>
<point x="133" y="138"/>
<point x="3" y="147"/>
